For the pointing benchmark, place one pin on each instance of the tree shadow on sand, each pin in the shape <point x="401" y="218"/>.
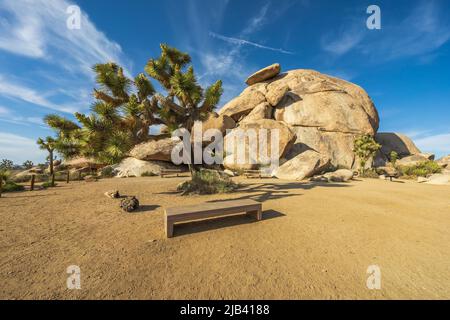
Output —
<point x="222" y="222"/>
<point x="261" y="192"/>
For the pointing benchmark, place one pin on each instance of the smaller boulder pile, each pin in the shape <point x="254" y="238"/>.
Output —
<point x="129" y="204"/>
<point x="113" y="194"/>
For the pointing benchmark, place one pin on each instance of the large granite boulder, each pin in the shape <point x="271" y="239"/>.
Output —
<point x="304" y="165"/>
<point x="261" y="111"/>
<point x="397" y="142"/>
<point x="413" y="160"/>
<point x="264" y="74"/>
<point x="132" y="167"/>
<point x="330" y="104"/>
<point x="214" y="121"/>
<point x="231" y="161"/>
<point x="159" y="150"/>
<point x="336" y="146"/>
<point x="325" y="113"/>
<point x="82" y="162"/>
<point x="444" y="162"/>
<point x="243" y="104"/>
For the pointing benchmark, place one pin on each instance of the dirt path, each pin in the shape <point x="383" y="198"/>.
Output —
<point x="316" y="241"/>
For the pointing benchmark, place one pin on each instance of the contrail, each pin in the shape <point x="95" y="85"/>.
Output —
<point x="245" y="42"/>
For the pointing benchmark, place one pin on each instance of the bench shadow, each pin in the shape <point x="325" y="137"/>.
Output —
<point x="144" y="208"/>
<point x="222" y="222"/>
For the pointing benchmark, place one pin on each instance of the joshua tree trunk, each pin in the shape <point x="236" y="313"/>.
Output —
<point x="32" y="182"/>
<point x="51" y="161"/>
<point x="53" y="179"/>
<point x="68" y="177"/>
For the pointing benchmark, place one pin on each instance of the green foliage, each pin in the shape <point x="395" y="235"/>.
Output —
<point x="365" y="147"/>
<point x="370" y="173"/>
<point x="11" y="186"/>
<point x="28" y="164"/>
<point x="125" y="108"/>
<point x="393" y="157"/>
<point x="6" y="164"/>
<point x="48" y="184"/>
<point x="207" y="182"/>
<point x="107" y="172"/>
<point x="422" y="169"/>
<point x="148" y="174"/>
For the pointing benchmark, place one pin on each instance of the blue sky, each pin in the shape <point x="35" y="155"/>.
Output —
<point x="405" y="66"/>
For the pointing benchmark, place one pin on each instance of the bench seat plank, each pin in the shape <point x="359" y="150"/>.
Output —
<point x="209" y="210"/>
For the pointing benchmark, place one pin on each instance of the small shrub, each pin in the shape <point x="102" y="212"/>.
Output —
<point x="422" y="169"/>
<point x="207" y="182"/>
<point x="148" y="174"/>
<point x="11" y="186"/>
<point x="393" y="157"/>
<point x="369" y="173"/>
<point x="48" y="184"/>
<point x="107" y="172"/>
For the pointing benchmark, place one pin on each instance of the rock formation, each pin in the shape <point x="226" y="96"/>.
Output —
<point x="324" y="113"/>
<point x="132" y="167"/>
<point x="318" y="118"/>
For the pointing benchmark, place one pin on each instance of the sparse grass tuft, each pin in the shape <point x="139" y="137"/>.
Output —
<point x="148" y="174"/>
<point x="11" y="186"/>
<point x="422" y="169"/>
<point x="208" y="182"/>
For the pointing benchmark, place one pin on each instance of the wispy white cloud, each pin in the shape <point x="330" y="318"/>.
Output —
<point x="257" y="21"/>
<point x="424" y="30"/>
<point x="438" y="144"/>
<point x="38" y="29"/>
<point x="4" y="111"/>
<point x="241" y="42"/>
<point x="20" y="92"/>
<point x="19" y="149"/>
<point x="343" y="42"/>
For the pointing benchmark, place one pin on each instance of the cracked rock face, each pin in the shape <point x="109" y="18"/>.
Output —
<point x="325" y="113"/>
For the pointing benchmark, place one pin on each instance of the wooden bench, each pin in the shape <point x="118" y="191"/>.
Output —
<point x="167" y="172"/>
<point x="391" y="176"/>
<point x="209" y="210"/>
<point x="256" y="174"/>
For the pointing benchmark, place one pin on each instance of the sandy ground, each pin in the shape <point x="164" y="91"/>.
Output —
<point x="316" y="241"/>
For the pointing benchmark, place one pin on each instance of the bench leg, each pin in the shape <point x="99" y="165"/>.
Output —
<point x="258" y="214"/>
<point x="169" y="228"/>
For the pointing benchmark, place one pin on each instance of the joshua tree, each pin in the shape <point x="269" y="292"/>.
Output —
<point x="393" y="156"/>
<point x="68" y="136"/>
<point x="365" y="147"/>
<point x="4" y="175"/>
<point x="49" y="145"/>
<point x="186" y="101"/>
<point x="28" y="164"/>
<point x="125" y="109"/>
<point x="6" y="164"/>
